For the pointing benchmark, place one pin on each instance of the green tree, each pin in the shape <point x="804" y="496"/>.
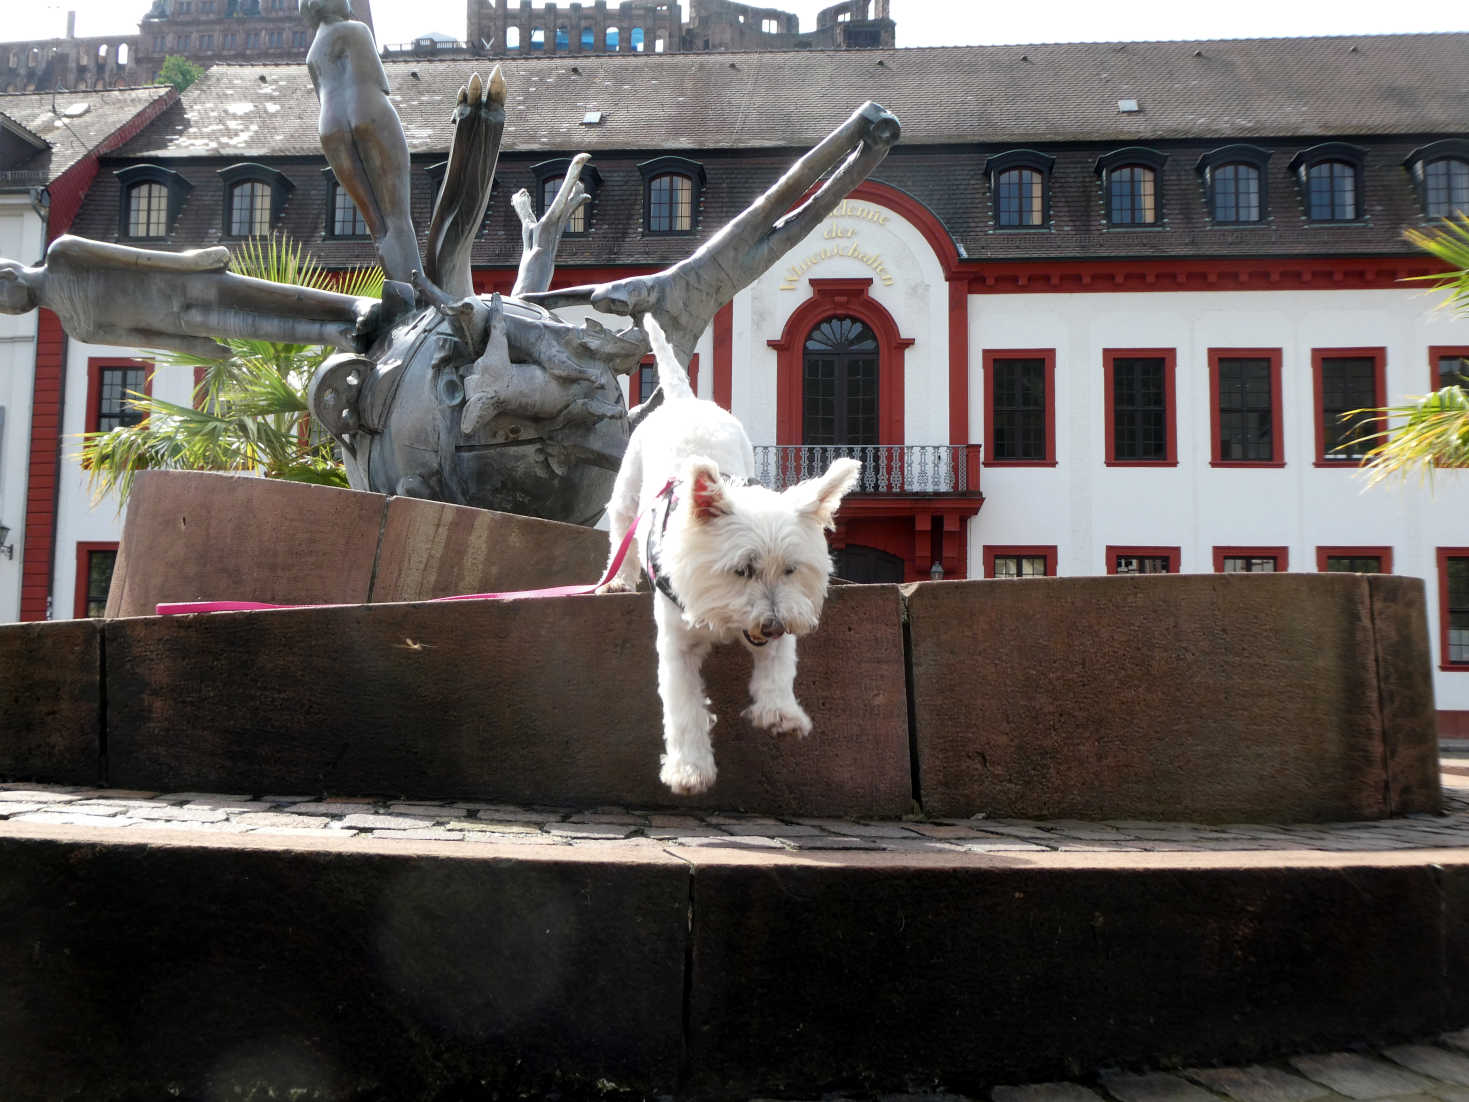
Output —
<point x="249" y="411"/>
<point x="179" y="71"/>
<point x="1431" y="430"/>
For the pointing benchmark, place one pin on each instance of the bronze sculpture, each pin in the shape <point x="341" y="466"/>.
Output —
<point x="438" y="392"/>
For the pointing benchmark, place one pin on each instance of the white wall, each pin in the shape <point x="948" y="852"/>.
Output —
<point x="22" y="238"/>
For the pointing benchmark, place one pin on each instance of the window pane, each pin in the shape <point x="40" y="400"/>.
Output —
<point x="148" y="211"/>
<point x="671" y="204"/>
<point x="1458" y="610"/>
<point x="1453" y="371"/>
<point x="1020" y="566"/>
<point x="1019" y="408"/>
<point x="116" y="384"/>
<point x="1018" y="198"/>
<point x="840" y="377"/>
<point x="1245" y="564"/>
<point x="1139" y="409"/>
<point x="1132" y="195"/>
<point x="1246" y="425"/>
<point x="1348" y="383"/>
<point x="1237" y="193"/>
<point x="1353" y="564"/>
<point x="99" y="580"/>
<point x="1142" y="564"/>
<point x="347" y="220"/>
<point x="250" y="209"/>
<point x="577" y="223"/>
<point x="1446" y="187"/>
<point x="1331" y="191"/>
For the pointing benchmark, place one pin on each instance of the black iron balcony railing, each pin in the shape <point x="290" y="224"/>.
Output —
<point x="886" y="468"/>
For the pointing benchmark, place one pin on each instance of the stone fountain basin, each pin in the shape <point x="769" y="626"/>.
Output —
<point x="1207" y="698"/>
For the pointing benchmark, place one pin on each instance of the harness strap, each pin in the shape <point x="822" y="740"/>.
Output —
<point x="179" y="608"/>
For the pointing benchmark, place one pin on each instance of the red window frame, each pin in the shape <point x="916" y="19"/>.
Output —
<point x="1444" y="555"/>
<point x="634" y="380"/>
<point x="84" y="561"/>
<point x="1169" y="357"/>
<point x="1048" y="356"/>
<point x="1172" y="554"/>
<point x="1379" y="384"/>
<point x="1277" y="433"/>
<point x="994" y="551"/>
<point x="95" y="366"/>
<point x="1281" y="555"/>
<point x="1383" y="554"/>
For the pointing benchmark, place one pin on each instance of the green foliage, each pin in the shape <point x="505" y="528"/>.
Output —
<point x="179" y="71"/>
<point x="1431" y="430"/>
<point x="249" y="411"/>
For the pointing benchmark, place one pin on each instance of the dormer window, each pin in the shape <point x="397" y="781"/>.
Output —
<point x="1440" y="171"/>
<point x="254" y="195"/>
<point x="1020" y="183"/>
<point x="343" y="219"/>
<point x="1330" y="177"/>
<point x="151" y="199"/>
<point x="672" y="188"/>
<point x="1132" y="186"/>
<point x="1235" y="183"/>
<point x="549" y="175"/>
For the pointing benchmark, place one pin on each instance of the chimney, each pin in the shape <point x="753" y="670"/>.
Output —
<point x="71" y="24"/>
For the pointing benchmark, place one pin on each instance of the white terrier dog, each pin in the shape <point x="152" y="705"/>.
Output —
<point x="730" y="559"/>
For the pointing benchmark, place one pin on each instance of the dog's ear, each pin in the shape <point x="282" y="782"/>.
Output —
<point x="707" y="492"/>
<point x="819" y="497"/>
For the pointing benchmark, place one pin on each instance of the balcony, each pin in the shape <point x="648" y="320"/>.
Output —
<point x="889" y="470"/>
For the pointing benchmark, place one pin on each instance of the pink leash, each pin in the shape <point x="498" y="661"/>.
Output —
<point x="180" y="608"/>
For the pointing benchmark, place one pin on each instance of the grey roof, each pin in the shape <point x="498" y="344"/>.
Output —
<point x="1237" y="89"/>
<point x="72" y="136"/>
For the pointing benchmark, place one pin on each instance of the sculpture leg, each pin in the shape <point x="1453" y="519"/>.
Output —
<point x="384" y="156"/>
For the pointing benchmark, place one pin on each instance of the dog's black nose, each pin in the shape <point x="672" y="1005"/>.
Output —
<point x="772" y="629"/>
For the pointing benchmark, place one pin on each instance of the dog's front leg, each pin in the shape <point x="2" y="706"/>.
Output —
<point x="688" y="757"/>
<point x="773" y="703"/>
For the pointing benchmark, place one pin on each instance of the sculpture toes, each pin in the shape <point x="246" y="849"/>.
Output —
<point x="476" y="87"/>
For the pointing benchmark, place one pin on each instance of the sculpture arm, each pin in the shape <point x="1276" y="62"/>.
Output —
<point x="80" y="252"/>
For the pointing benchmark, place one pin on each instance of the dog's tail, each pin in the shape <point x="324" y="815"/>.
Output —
<point x="672" y="377"/>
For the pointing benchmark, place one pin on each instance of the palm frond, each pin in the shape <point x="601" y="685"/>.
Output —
<point x="1450" y="243"/>
<point x="1419" y="435"/>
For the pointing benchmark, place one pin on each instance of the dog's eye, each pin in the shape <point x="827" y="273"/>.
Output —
<point x="745" y="571"/>
<point x="790" y="570"/>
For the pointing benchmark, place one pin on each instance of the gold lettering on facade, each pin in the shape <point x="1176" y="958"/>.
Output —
<point x="850" y="247"/>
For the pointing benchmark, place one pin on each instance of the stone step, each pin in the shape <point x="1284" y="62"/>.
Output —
<point x="142" y="962"/>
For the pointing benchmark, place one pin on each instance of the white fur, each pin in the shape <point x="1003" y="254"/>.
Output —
<point x="748" y="563"/>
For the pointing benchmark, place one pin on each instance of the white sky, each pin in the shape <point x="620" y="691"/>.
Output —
<point x="920" y="22"/>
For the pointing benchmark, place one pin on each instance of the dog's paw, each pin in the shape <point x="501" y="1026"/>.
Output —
<point x="780" y="719"/>
<point x="616" y="585"/>
<point x="685" y="777"/>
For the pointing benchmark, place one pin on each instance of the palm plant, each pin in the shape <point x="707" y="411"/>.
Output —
<point x="1430" y="430"/>
<point x="249" y="411"/>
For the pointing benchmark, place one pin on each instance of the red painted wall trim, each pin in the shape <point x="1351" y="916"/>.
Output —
<point x="724" y="355"/>
<point x="1383" y="553"/>
<point x="959" y="362"/>
<point x="994" y="551"/>
<point x="829" y="298"/>
<point x="1437" y="350"/>
<point x="1379" y="398"/>
<point x="84" y="551"/>
<point x="1008" y="277"/>
<point x="1171" y="553"/>
<point x="1444" y="555"/>
<point x="916" y="214"/>
<point x="989" y="358"/>
<point x="1277" y="434"/>
<point x="1281" y="555"/>
<point x="1170" y="403"/>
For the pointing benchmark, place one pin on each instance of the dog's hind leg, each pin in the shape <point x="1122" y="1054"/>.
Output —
<point x="688" y="754"/>
<point x="773" y="703"/>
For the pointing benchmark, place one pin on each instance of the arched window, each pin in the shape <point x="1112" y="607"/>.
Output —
<point x="538" y="38"/>
<point x="147" y="205"/>
<point x="1441" y="172"/>
<point x="122" y="54"/>
<point x="839" y="384"/>
<point x="563" y="39"/>
<point x="671" y="189"/>
<point x="1019" y="198"/>
<point x="1235" y="183"/>
<point x="588" y="38"/>
<point x="1131" y="186"/>
<point x="249" y="206"/>
<point x="635" y="40"/>
<point x="512" y="38"/>
<point x="613" y="39"/>
<point x="150" y="200"/>
<point x="1330" y="177"/>
<point x="254" y="196"/>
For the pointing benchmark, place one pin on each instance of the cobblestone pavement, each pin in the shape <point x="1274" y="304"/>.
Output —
<point x="459" y="820"/>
